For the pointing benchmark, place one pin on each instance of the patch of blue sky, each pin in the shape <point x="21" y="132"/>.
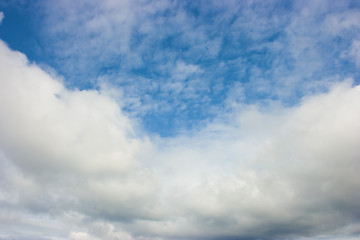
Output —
<point x="18" y="30"/>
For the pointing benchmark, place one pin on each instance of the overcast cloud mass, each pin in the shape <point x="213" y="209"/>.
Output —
<point x="174" y="120"/>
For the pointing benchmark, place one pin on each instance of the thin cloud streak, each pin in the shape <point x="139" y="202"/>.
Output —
<point x="1" y="17"/>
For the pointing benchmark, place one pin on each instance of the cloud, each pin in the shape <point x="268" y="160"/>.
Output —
<point x="74" y="165"/>
<point x="53" y="112"/>
<point x="271" y="172"/>
<point x="1" y="17"/>
<point x="68" y="136"/>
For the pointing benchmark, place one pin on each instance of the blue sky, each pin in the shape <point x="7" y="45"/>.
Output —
<point x="183" y="61"/>
<point x="179" y="119"/>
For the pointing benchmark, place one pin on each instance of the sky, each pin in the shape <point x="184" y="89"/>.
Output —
<point x="179" y="120"/>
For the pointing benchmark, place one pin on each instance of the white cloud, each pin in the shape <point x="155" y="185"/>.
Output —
<point x="76" y="158"/>
<point x="46" y="110"/>
<point x="54" y="136"/>
<point x="270" y="171"/>
<point x="81" y="236"/>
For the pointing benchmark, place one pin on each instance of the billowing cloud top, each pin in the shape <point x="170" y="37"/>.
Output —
<point x="274" y="152"/>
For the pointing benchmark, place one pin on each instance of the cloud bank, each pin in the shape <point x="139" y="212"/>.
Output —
<point x="75" y="166"/>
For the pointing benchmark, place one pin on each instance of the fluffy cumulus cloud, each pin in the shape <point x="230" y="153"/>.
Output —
<point x="172" y="120"/>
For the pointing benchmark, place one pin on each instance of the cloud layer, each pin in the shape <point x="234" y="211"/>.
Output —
<point x="74" y="166"/>
<point x="171" y="120"/>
